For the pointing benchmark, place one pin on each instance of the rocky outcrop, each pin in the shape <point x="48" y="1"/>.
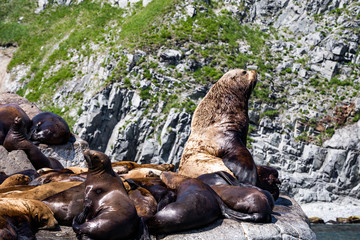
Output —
<point x="113" y="121"/>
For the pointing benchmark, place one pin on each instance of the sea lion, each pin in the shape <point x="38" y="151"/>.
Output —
<point x="50" y="128"/>
<point x="63" y="175"/>
<point x="108" y="211"/>
<point x="17" y="179"/>
<point x="268" y="179"/>
<point x="158" y="189"/>
<point x="132" y="165"/>
<point x="219" y="129"/>
<point x="67" y="204"/>
<point x="256" y="204"/>
<point x="8" y="112"/>
<point x="36" y="192"/>
<point x="23" y="217"/>
<point x="144" y="201"/>
<point x="16" y="140"/>
<point x="196" y="205"/>
<point x="141" y="173"/>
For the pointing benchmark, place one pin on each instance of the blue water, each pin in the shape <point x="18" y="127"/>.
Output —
<point x="336" y="231"/>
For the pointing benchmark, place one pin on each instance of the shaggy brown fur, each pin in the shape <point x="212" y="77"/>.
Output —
<point x="219" y="128"/>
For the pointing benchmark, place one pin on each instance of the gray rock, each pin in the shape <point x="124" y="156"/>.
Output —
<point x="347" y="138"/>
<point x="14" y="161"/>
<point x="329" y="69"/>
<point x="170" y="56"/>
<point x="190" y="10"/>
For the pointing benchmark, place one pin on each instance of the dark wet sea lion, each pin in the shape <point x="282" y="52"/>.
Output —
<point x="50" y="128"/>
<point x="219" y="129"/>
<point x="268" y="179"/>
<point x="16" y="140"/>
<point x="67" y="204"/>
<point x="8" y="112"/>
<point x="144" y="201"/>
<point x="108" y="211"/>
<point x="256" y="204"/>
<point x="196" y="205"/>
<point x="158" y="189"/>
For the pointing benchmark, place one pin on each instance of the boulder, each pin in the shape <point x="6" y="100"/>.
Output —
<point x="14" y="161"/>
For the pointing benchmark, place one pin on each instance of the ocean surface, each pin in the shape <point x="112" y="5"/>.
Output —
<point x="336" y="231"/>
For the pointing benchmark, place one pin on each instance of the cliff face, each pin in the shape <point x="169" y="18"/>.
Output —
<point x="130" y="91"/>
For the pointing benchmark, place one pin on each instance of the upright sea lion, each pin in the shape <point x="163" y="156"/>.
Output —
<point x="16" y="140"/>
<point x="50" y="128"/>
<point x="108" y="211"/>
<point x="22" y="217"/>
<point x="8" y="112"/>
<point x="219" y="129"/>
<point x="196" y="205"/>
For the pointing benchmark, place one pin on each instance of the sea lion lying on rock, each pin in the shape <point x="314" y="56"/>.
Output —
<point x="67" y="204"/>
<point x="22" y="217"/>
<point x="108" y="211"/>
<point x="50" y="128"/>
<point x="8" y="112"/>
<point x="219" y="129"/>
<point x="16" y="140"/>
<point x="196" y="205"/>
<point x="17" y="179"/>
<point x="64" y="175"/>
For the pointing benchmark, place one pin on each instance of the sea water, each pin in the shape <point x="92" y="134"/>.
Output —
<point x="336" y="231"/>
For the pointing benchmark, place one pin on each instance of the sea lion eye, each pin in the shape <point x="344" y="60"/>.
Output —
<point x="244" y="72"/>
<point x="98" y="191"/>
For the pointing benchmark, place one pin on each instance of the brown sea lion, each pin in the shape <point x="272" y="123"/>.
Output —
<point x="17" y="179"/>
<point x="144" y="201"/>
<point x="63" y="175"/>
<point x="219" y="129"/>
<point x="36" y="192"/>
<point x="16" y="140"/>
<point x="141" y="173"/>
<point x="108" y="211"/>
<point x="22" y="217"/>
<point x="268" y="179"/>
<point x="158" y="189"/>
<point x="67" y="204"/>
<point x="50" y="128"/>
<point x="8" y="112"/>
<point x="196" y="205"/>
<point x="77" y="170"/>
<point x="131" y="165"/>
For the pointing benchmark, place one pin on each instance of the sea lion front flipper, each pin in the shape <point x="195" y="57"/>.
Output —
<point x="143" y="231"/>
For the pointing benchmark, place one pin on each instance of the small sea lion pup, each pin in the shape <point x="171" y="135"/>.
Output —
<point x="8" y="112"/>
<point x="16" y="140"/>
<point x="108" y="211"/>
<point x="219" y="128"/>
<point x="49" y="128"/>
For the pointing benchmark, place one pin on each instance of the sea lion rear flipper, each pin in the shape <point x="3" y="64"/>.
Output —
<point x="143" y="231"/>
<point x="247" y="217"/>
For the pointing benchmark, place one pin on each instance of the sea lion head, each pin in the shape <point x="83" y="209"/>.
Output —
<point x="240" y="80"/>
<point x="43" y="216"/>
<point x="97" y="161"/>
